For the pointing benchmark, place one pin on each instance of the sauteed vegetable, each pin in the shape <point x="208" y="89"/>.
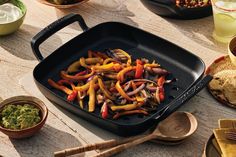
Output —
<point x="114" y="82"/>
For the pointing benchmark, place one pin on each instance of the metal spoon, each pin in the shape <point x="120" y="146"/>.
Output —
<point x="176" y="127"/>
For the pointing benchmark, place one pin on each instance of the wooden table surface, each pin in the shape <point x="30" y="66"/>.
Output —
<point x="62" y="129"/>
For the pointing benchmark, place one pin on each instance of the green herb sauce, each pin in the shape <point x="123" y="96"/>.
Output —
<point x="19" y="117"/>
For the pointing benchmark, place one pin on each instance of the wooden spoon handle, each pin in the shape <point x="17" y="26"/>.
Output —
<point x="89" y="147"/>
<point x="125" y="146"/>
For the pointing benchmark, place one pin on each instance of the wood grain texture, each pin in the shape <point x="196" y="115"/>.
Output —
<point x="64" y="130"/>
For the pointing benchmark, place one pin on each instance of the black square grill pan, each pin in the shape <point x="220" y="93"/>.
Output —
<point x="186" y="68"/>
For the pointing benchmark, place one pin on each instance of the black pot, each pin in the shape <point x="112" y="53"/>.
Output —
<point x="167" y="8"/>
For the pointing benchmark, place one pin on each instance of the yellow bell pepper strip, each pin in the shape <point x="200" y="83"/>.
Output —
<point x="127" y="107"/>
<point x="83" y="87"/>
<point x="122" y="92"/>
<point x="112" y="76"/>
<point x="93" y="60"/>
<point x="104" y="110"/>
<point x="83" y="63"/>
<point x="153" y="65"/>
<point x="104" y="89"/>
<point x="60" y="87"/>
<point x="139" y="69"/>
<point x="80" y="101"/>
<point x="108" y="60"/>
<point x="73" y="67"/>
<point x="92" y="95"/>
<point x="120" y="75"/>
<point x="119" y="114"/>
<point x="65" y="76"/>
<point x="106" y="67"/>
<point x="126" y="54"/>
<point x="157" y="95"/>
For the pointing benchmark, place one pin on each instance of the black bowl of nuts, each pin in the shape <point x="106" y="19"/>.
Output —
<point x="180" y="9"/>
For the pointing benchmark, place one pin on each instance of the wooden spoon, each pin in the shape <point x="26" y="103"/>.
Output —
<point x="176" y="127"/>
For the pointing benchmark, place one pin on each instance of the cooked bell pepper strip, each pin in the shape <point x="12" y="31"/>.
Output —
<point x="104" y="110"/>
<point x="60" y="87"/>
<point x="93" y="60"/>
<point x="81" y="73"/>
<point x="72" y="96"/>
<point x="153" y="65"/>
<point x="62" y="82"/>
<point x="127" y="107"/>
<point x="83" y="87"/>
<point x="121" y="91"/>
<point x="106" y="67"/>
<point x="161" y="94"/>
<point x="73" y="67"/>
<point x="120" y="75"/>
<point x="126" y="54"/>
<point x="80" y="101"/>
<point x="108" y="60"/>
<point x="83" y="63"/>
<point x="92" y="95"/>
<point x="111" y="76"/>
<point x="117" y="67"/>
<point x="119" y="114"/>
<point x="161" y="81"/>
<point x="104" y="89"/>
<point x="65" y="76"/>
<point x="139" y="69"/>
<point x="157" y="95"/>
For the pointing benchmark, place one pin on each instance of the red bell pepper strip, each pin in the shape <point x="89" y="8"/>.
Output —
<point x="81" y="73"/>
<point x="65" y="76"/>
<point x="72" y="96"/>
<point x="161" y="94"/>
<point x="139" y="69"/>
<point x="104" y="111"/>
<point x="161" y="81"/>
<point x="60" y="87"/>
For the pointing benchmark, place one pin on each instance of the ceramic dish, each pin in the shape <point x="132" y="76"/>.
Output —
<point x="17" y="134"/>
<point x="168" y="8"/>
<point x="231" y="49"/>
<point x="210" y="149"/>
<point x="220" y="64"/>
<point x="46" y="2"/>
<point x="8" y="28"/>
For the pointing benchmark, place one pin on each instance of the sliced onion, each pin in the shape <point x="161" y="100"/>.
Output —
<point x="151" y="88"/>
<point x="142" y="80"/>
<point x="136" y="90"/>
<point x="160" y="71"/>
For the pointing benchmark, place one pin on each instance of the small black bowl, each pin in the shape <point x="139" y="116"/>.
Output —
<point x="167" y="8"/>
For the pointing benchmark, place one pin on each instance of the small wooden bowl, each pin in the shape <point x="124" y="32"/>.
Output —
<point x="231" y="47"/>
<point x="17" y="134"/>
<point x="65" y="6"/>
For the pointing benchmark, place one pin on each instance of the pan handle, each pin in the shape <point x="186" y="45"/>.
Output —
<point x="173" y="106"/>
<point x="48" y="31"/>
